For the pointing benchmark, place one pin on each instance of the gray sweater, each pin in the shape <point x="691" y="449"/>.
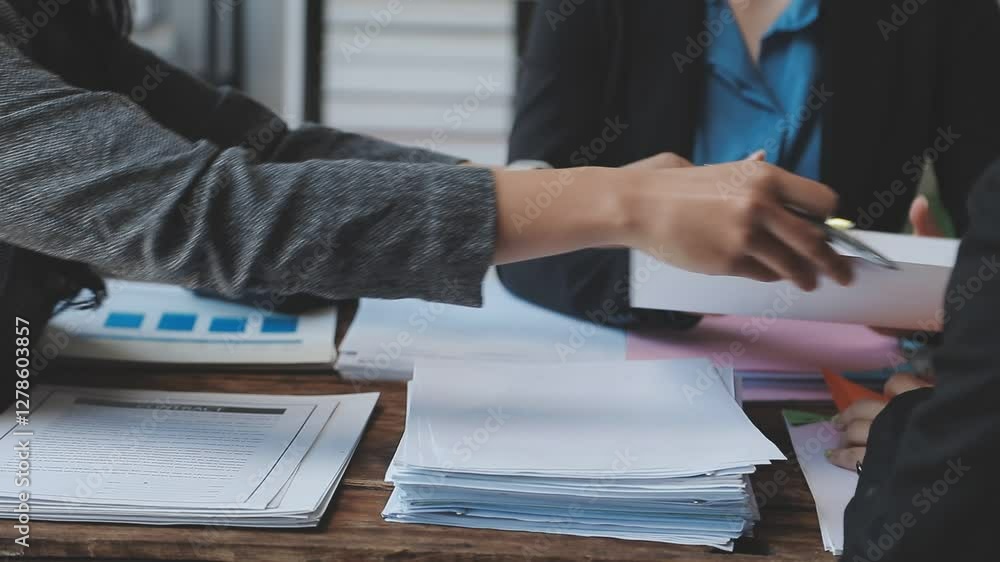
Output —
<point x="142" y="171"/>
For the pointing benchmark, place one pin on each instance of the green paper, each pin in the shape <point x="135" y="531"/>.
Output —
<point x="796" y="418"/>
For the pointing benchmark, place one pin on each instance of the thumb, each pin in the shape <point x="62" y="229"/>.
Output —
<point x="924" y="223"/>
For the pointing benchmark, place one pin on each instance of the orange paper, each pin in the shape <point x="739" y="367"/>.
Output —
<point x="846" y="392"/>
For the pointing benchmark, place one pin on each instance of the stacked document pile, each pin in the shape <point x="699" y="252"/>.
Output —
<point x="661" y="451"/>
<point x="151" y="323"/>
<point x="173" y="458"/>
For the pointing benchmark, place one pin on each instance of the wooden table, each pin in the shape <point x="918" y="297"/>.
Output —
<point x="353" y="530"/>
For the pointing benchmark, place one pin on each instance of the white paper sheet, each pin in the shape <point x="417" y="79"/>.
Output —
<point x="502" y="418"/>
<point x="911" y="298"/>
<point x="109" y="448"/>
<point x="264" y="476"/>
<point x="832" y="487"/>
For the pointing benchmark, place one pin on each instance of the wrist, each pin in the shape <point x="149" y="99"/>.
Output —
<point x="621" y="205"/>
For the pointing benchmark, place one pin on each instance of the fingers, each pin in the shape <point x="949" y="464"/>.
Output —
<point x="847" y="458"/>
<point x="860" y="410"/>
<point x="856" y="434"/>
<point x="806" y="194"/>
<point x="922" y="219"/>
<point x="753" y="269"/>
<point x="809" y="242"/>
<point x="779" y="258"/>
<point x="904" y="382"/>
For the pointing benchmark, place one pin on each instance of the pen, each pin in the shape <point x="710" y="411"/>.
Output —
<point x="834" y="229"/>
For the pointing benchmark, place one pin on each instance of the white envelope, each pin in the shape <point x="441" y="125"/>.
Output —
<point x="911" y="298"/>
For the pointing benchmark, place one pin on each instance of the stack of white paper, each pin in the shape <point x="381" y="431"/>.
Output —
<point x="832" y="487"/>
<point x="153" y="323"/>
<point x="388" y="336"/>
<point x="172" y="458"/>
<point x="660" y="452"/>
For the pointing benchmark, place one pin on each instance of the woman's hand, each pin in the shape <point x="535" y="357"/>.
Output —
<point x="922" y="219"/>
<point x="856" y="421"/>
<point x="726" y="219"/>
<point x="730" y="219"/>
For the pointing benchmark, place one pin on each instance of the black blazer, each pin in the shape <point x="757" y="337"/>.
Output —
<point x="900" y="83"/>
<point x="929" y="489"/>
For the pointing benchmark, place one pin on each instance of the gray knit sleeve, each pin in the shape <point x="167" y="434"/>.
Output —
<point x="318" y="141"/>
<point x="90" y="177"/>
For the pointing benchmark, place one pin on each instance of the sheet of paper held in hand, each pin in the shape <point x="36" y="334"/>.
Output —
<point x="910" y="298"/>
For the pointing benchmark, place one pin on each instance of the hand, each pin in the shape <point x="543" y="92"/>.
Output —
<point x="922" y="219"/>
<point x="730" y="219"/>
<point x="856" y="421"/>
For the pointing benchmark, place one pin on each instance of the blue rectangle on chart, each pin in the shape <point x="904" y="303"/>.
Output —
<point x="280" y="325"/>
<point x="174" y="322"/>
<point x="130" y="320"/>
<point x="231" y="325"/>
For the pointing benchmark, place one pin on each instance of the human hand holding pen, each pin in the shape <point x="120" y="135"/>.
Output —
<point x="725" y="219"/>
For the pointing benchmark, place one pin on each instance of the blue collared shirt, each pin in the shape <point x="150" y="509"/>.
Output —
<point x="773" y="105"/>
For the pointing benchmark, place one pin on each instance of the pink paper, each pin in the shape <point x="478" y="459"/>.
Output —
<point x="779" y="394"/>
<point x="762" y="344"/>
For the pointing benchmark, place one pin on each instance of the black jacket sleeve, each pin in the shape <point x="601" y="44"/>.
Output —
<point x="966" y="120"/>
<point x="930" y="489"/>
<point x="562" y="112"/>
<point x="196" y="110"/>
